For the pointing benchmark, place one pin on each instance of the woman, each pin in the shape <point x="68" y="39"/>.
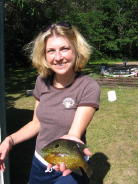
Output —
<point x="66" y="100"/>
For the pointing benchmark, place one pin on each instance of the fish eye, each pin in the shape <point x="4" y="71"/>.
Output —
<point x="57" y="145"/>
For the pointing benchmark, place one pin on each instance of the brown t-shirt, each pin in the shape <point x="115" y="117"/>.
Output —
<point x="57" y="106"/>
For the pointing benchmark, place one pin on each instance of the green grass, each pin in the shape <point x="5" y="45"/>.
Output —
<point x="114" y="132"/>
<point x="112" y="135"/>
<point x="106" y="61"/>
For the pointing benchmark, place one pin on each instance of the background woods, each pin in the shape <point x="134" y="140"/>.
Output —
<point x="110" y="26"/>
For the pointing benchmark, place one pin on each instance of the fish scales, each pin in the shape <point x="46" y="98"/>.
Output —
<point x="67" y="151"/>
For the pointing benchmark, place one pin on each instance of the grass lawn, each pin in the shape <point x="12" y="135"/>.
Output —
<point x="114" y="132"/>
<point x="112" y="136"/>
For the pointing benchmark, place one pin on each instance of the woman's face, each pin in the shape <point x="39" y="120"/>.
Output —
<point x="60" y="55"/>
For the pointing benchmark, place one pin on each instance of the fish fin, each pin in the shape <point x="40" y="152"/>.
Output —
<point x="81" y="146"/>
<point x="86" y="178"/>
<point x="87" y="170"/>
<point x="78" y="171"/>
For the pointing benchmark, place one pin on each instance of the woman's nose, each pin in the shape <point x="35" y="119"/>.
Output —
<point x="58" y="56"/>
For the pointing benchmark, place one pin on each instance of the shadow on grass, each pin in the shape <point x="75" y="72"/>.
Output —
<point x="92" y="68"/>
<point x="20" y="156"/>
<point x="19" y="80"/>
<point x="100" y="167"/>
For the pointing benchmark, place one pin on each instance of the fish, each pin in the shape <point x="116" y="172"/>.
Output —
<point x="68" y="152"/>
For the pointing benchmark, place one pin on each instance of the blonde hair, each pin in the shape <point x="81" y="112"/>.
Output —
<point x="82" y="48"/>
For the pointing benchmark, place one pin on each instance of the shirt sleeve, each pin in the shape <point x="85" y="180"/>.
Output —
<point x="90" y="95"/>
<point x="37" y="89"/>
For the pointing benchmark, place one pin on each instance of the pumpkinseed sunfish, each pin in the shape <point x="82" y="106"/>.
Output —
<point x="68" y="152"/>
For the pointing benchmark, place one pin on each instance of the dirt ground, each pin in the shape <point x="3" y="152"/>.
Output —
<point x="130" y="63"/>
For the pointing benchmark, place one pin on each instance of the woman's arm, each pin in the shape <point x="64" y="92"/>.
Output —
<point x="28" y="131"/>
<point x="83" y="117"/>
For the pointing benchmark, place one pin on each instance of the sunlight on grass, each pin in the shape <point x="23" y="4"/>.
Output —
<point x="114" y="131"/>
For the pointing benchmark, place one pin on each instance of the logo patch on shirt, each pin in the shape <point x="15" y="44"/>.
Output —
<point x="68" y="102"/>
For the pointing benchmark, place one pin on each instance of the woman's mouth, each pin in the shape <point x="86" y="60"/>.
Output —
<point x="60" y="64"/>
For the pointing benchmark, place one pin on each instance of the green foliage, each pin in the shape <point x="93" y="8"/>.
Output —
<point x="110" y="26"/>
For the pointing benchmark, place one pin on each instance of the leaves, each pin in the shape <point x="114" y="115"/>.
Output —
<point x="110" y="26"/>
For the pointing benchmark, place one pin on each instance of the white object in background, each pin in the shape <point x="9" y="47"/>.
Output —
<point x="1" y="173"/>
<point x="112" y="96"/>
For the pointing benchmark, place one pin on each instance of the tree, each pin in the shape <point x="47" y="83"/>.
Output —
<point x="110" y="26"/>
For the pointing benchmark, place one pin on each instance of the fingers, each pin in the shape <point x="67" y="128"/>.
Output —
<point x="3" y="155"/>
<point x="2" y="166"/>
<point x="5" y="147"/>
<point x="56" y="167"/>
<point x="49" y="166"/>
<point x="62" y="168"/>
<point x="87" y="152"/>
<point x="59" y="167"/>
<point x="73" y="138"/>
<point x="66" y="172"/>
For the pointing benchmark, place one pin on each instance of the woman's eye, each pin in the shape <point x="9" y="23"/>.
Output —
<point x="50" y="51"/>
<point x="57" y="145"/>
<point x="65" y="48"/>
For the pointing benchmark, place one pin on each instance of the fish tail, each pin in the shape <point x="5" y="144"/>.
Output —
<point x="88" y="170"/>
<point x="86" y="178"/>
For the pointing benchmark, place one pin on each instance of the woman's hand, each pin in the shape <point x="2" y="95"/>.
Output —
<point x="5" y="147"/>
<point x="62" y="167"/>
